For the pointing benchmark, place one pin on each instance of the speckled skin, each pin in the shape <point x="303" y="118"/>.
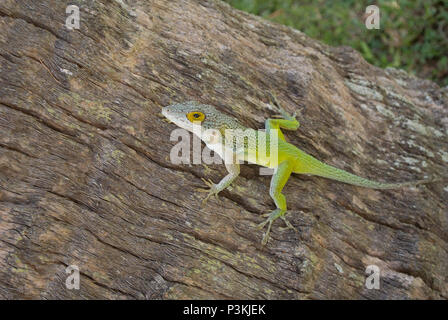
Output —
<point x="213" y="118"/>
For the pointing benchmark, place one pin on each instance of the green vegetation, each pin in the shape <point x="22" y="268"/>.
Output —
<point x="413" y="34"/>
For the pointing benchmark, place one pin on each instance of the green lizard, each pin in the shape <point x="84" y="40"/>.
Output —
<point x="214" y="128"/>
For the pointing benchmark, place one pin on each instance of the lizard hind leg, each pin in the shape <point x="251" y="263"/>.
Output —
<point x="279" y="179"/>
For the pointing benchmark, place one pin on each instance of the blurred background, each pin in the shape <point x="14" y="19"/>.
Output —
<point x="413" y="34"/>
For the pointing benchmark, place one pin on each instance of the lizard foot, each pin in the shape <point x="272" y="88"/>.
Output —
<point x="212" y="191"/>
<point x="283" y="114"/>
<point x="277" y="213"/>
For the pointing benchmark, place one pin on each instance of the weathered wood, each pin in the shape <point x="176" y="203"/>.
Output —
<point x="85" y="176"/>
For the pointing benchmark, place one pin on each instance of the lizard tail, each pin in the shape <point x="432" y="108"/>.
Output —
<point x="310" y="165"/>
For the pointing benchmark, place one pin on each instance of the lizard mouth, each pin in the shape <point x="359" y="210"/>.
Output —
<point x="168" y="114"/>
<point x="165" y="112"/>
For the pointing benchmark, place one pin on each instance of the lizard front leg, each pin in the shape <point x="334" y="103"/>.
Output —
<point x="288" y="122"/>
<point x="279" y="179"/>
<point x="214" y="189"/>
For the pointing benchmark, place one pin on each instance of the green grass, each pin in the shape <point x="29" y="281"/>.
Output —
<point x="413" y="34"/>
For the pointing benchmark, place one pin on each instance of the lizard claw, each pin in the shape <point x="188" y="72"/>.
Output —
<point x="271" y="218"/>
<point x="266" y="214"/>
<point x="288" y="225"/>
<point x="283" y="114"/>
<point x="212" y="191"/>
<point x="277" y="213"/>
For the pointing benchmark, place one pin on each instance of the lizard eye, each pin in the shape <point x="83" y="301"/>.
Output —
<point x="195" y="116"/>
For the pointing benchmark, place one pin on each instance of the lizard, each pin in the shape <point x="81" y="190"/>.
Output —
<point x="213" y="127"/>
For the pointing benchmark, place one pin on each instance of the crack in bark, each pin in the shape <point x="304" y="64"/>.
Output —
<point x="58" y="106"/>
<point x="100" y="284"/>
<point x="406" y="229"/>
<point x="15" y="149"/>
<point x="367" y="217"/>
<point x="249" y="275"/>
<point x="39" y="119"/>
<point x="36" y="24"/>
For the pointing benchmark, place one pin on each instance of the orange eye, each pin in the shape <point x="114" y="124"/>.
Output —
<point x="195" y="116"/>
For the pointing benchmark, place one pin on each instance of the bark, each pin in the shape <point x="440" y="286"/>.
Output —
<point x="86" y="180"/>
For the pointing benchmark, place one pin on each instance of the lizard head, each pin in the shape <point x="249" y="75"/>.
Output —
<point x="188" y="114"/>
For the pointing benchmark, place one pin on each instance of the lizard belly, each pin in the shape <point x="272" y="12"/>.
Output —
<point x="220" y="150"/>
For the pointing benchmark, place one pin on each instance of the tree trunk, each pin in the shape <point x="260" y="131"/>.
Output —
<point x="86" y="179"/>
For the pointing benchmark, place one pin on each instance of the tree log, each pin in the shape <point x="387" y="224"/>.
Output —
<point x="86" y="179"/>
